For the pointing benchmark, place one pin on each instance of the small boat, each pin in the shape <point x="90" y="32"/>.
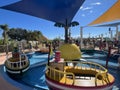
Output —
<point x="18" y="63"/>
<point x="77" y="75"/>
<point x="83" y="76"/>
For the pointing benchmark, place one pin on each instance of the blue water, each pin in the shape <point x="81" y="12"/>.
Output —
<point x="35" y="77"/>
<point x="96" y="54"/>
<point x="37" y="58"/>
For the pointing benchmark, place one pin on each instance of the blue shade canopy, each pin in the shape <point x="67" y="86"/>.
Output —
<point x="53" y="10"/>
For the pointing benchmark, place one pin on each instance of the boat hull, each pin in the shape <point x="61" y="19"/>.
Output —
<point x="54" y="85"/>
<point x="19" y="71"/>
<point x="15" y="68"/>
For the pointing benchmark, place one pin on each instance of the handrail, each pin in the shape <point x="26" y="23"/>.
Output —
<point x="59" y="74"/>
<point x="90" y="64"/>
<point x="17" y="61"/>
<point x="101" y="71"/>
<point x="16" y="64"/>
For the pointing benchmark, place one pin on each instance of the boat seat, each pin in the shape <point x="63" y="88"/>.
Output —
<point x="66" y="80"/>
<point x="86" y="72"/>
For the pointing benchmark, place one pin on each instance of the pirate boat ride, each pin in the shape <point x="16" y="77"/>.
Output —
<point x="67" y="72"/>
<point x="18" y="63"/>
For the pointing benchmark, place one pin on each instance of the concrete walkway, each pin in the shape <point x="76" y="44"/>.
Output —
<point x="3" y="57"/>
<point x="5" y="85"/>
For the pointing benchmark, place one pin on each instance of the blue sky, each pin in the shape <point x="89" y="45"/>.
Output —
<point x="89" y="11"/>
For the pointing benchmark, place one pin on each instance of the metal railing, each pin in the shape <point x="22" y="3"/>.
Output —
<point x="57" y="74"/>
<point x="87" y="65"/>
<point x="17" y="64"/>
<point x="101" y="72"/>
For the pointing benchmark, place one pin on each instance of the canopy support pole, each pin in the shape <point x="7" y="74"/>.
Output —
<point x="117" y="32"/>
<point x="66" y="31"/>
<point x="81" y="35"/>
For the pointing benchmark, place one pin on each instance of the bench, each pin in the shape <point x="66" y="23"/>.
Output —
<point x="88" y="72"/>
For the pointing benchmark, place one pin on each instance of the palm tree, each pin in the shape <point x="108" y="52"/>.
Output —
<point x="5" y="31"/>
<point x="66" y="27"/>
<point x="5" y="35"/>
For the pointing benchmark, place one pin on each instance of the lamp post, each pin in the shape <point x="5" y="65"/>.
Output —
<point x="81" y="35"/>
<point x="111" y="34"/>
<point x="106" y="41"/>
<point x="101" y="37"/>
<point x="117" y="33"/>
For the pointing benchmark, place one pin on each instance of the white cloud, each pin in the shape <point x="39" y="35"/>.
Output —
<point x="83" y="15"/>
<point x="81" y="7"/>
<point x="86" y="8"/>
<point x="91" y="11"/>
<point x="97" y="3"/>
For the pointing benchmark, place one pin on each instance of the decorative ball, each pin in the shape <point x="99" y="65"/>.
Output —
<point x="70" y="52"/>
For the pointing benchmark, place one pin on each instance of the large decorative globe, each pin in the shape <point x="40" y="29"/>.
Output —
<point x="70" y="52"/>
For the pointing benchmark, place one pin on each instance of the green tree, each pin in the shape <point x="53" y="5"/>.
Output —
<point x="5" y="33"/>
<point x="36" y="35"/>
<point x="29" y="36"/>
<point x="17" y="34"/>
<point x="1" y="41"/>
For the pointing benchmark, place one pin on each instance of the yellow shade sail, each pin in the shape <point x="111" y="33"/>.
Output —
<point x="111" y="15"/>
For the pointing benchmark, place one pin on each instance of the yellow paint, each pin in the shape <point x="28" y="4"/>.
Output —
<point x="70" y="52"/>
<point x="110" y="15"/>
<point x="96" y="77"/>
